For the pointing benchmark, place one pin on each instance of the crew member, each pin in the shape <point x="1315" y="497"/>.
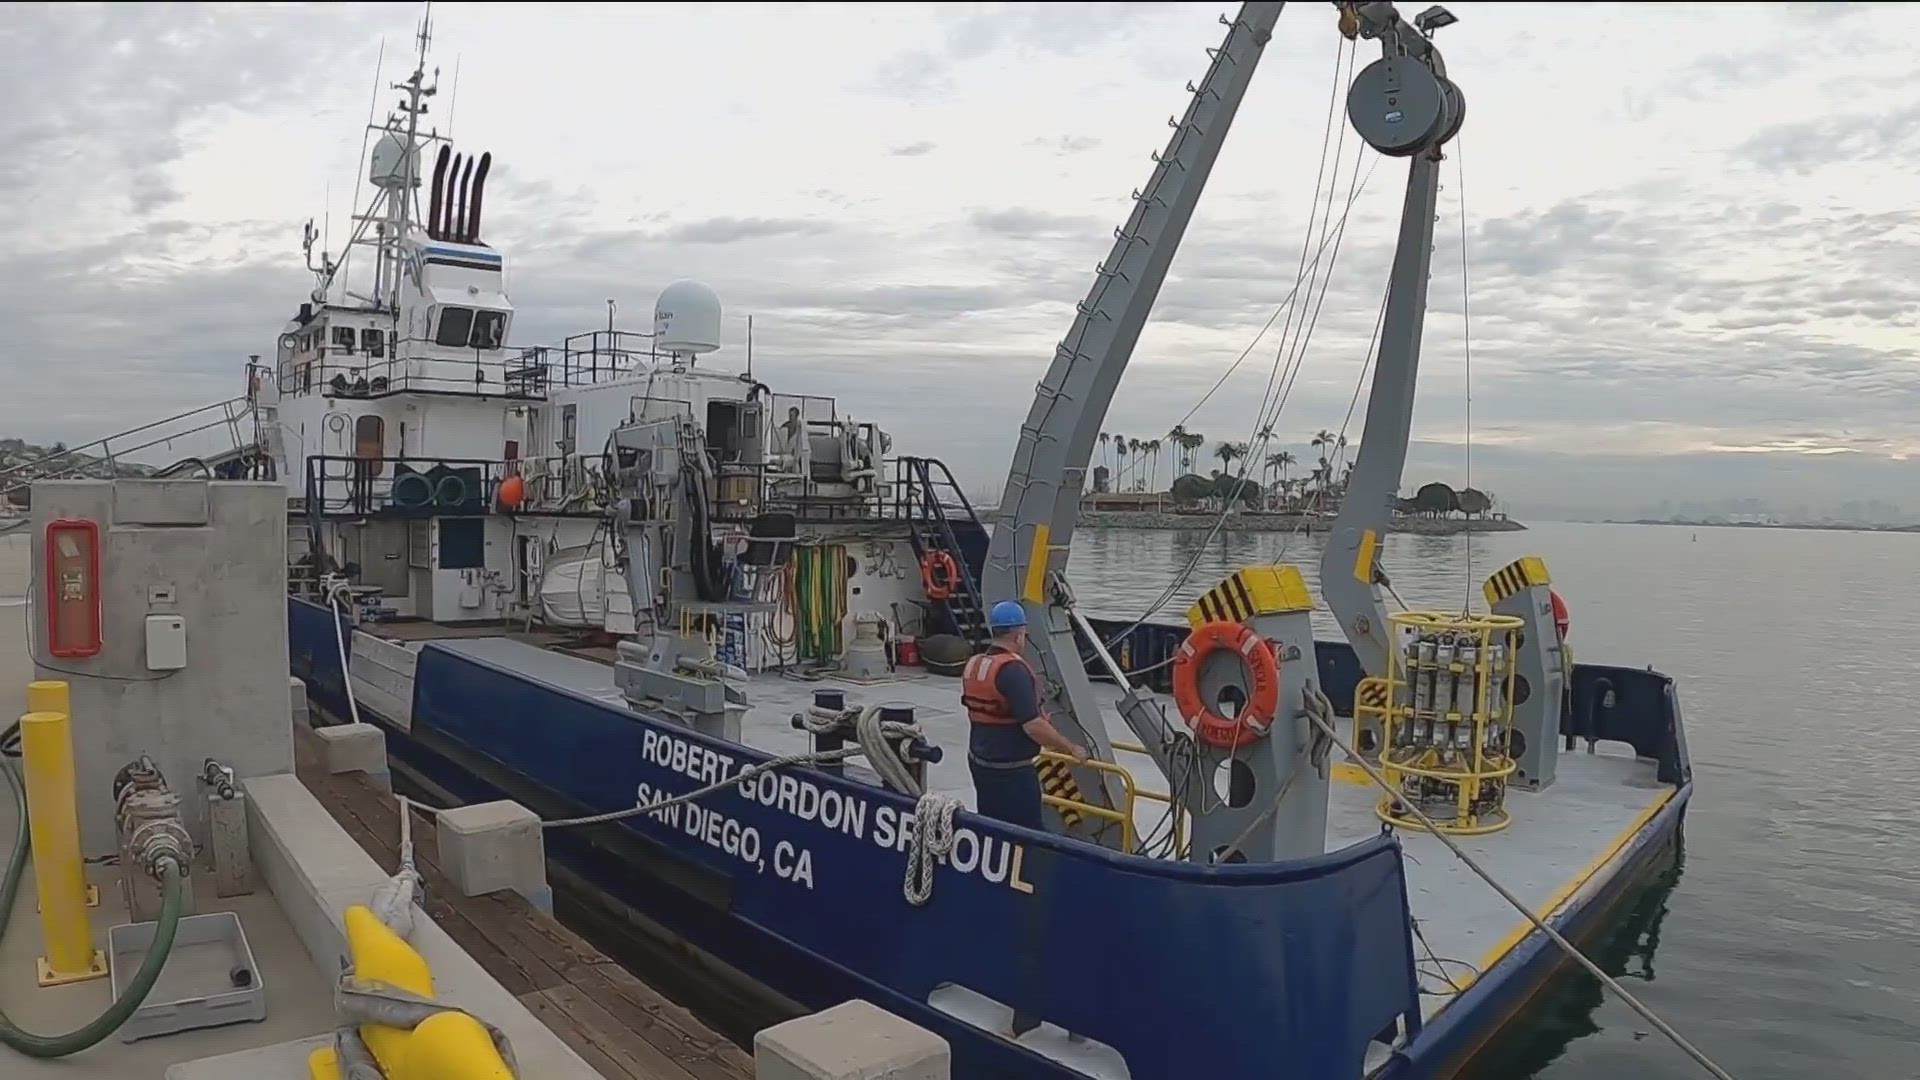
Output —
<point x="1002" y="698"/>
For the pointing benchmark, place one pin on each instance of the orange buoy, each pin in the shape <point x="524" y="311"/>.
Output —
<point x="939" y="575"/>
<point x="1263" y="673"/>
<point x="1560" y="619"/>
<point x="513" y="492"/>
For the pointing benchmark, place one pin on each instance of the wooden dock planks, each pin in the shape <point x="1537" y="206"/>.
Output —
<point x="617" y="1023"/>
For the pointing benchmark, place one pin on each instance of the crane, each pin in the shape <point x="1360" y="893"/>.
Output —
<point x="1404" y="106"/>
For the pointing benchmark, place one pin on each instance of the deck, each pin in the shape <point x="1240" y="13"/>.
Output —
<point x="1560" y="837"/>
<point x="621" y="1026"/>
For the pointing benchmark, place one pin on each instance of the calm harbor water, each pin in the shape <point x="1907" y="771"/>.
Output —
<point x="1784" y="940"/>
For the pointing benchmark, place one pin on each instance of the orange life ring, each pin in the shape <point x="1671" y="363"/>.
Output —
<point x="1560" y="618"/>
<point x="1263" y="672"/>
<point x="939" y="574"/>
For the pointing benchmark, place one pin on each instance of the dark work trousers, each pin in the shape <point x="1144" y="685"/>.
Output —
<point x="1009" y="792"/>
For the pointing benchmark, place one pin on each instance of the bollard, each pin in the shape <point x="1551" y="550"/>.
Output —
<point x="46" y="747"/>
<point x="49" y="695"/>
<point x="53" y="696"/>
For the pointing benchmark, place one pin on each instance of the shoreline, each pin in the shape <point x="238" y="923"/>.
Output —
<point x="1280" y="523"/>
<point x="1808" y="526"/>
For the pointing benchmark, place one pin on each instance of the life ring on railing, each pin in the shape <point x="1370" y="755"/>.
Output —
<point x="1560" y="617"/>
<point x="1254" y="719"/>
<point x="939" y="575"/>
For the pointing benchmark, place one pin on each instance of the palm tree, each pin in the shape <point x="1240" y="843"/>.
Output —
<point x="1120" y="460"/>
<point x="1153" y="466"/>
<point x="1105" y="439"/>
<point x="1323" y="441"/>
<point x="1278" y="463"/>
<point x="1193" y="441"/>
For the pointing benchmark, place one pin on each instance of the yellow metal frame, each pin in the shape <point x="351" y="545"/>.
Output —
<point x="1468" y="772"/>
<point x="1129" y="834"/>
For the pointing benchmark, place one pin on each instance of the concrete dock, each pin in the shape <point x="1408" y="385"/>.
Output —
<point x="618" y="1024"/>
<point x="326" y="836"/>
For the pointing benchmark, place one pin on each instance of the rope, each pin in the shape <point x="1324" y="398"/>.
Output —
<point x="1466" y="345"/>
<point x="1539" y="924"/>
<point x="340" y="638"/>
<point x="932" y="841"/>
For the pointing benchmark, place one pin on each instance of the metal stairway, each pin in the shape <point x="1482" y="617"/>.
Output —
<point x="226" y="435"/>
<point x="928" y="500"/>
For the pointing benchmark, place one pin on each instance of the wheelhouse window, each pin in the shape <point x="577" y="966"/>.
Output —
<point x="467" y="328"/>
<point x="373" y="342"/>
<point x="456" y="325"/>
<point x="489" y="329"/>
<point x="343" y="338"/>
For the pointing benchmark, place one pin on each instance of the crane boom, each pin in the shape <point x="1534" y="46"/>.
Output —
<point x="1350" y="572"/>
<point x="1028" y="554"/>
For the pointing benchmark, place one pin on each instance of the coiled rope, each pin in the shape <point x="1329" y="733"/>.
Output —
<point x="933" y="836"/>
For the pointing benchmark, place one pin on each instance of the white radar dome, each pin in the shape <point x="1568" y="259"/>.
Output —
<point x="389" y="167"/>
<point x="686" y="319"/>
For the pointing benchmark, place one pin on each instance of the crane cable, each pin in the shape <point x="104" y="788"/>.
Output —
<point x="1539" y="924"/>
<point x="1285" y="359"/>
<point x="1305" y="270"/>
<point x="1466" y="347"/>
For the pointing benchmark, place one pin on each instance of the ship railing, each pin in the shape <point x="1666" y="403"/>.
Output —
<point x="341" y="374"/>
<point x="211" y="431"/>
<point x="600" y="356"/>
<point x="405" y="487"/>
<point x="1123" y="816"/>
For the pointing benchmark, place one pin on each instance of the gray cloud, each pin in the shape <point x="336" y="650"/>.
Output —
<point x="112" y="87"/>
<point x="1066" y="144"/>
<point x="1018" y="224"/>
<point x="1610" y="326"/>
<point x="1805" y="147"/>
<point x="730" y="230"/>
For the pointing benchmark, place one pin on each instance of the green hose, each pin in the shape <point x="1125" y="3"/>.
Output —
<point x="56" y="1046"/>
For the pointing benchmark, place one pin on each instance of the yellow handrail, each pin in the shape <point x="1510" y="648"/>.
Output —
<point x="1129" y="833"/>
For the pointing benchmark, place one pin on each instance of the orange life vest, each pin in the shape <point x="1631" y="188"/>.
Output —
<point x="984" y="702"/>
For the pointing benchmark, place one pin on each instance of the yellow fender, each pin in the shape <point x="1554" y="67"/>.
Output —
<point x="446" y="1046"/>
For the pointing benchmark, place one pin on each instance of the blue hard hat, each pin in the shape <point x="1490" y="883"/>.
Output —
<point x="1007" y="615"/>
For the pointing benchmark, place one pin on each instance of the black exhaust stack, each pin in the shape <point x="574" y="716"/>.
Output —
<point x="458" y="233"/>
<point x="434" y="198"/>
<point x="479" y="192"/>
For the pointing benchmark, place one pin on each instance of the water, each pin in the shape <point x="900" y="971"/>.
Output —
<point x="1784" y="941"/>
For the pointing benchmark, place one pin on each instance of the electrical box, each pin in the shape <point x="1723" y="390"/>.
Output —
<point x="166" y="643"/>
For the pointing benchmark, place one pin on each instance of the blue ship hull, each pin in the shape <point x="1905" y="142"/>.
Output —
<point x="1271" y="970"/>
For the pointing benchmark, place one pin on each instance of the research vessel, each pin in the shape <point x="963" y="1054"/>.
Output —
<point x="613" y="578"/>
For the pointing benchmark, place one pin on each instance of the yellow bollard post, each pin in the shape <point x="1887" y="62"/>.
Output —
<point x="53" y="696"/>
<point x="46" y="748"/>
<point x="49" y="695"/>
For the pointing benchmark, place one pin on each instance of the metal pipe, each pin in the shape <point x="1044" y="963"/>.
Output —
<point x="436" y="196"/>
<point x="472" y="235"/>
<point x="46" y="742"/>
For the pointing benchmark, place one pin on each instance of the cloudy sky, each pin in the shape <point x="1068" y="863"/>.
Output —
<point x="1691" y="257"/>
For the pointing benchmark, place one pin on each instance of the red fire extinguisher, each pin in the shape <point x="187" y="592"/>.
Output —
<point x="73" y="588"/>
